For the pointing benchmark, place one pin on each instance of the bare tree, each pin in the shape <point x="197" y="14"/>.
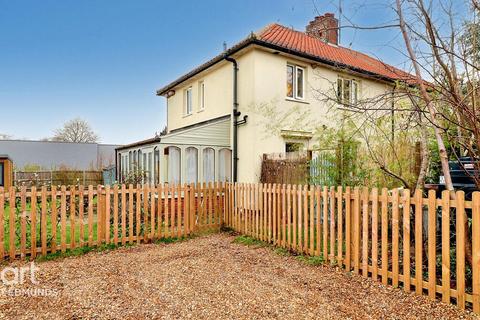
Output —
<point x="75" y="130"/>
<point x="440" y="50"/>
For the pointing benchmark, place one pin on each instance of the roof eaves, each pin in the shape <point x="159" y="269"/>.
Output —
<point x="239" y="46"/>
<point x="139" y="143"/>
<point x="254" y="39"/>
<point x="332" y="63"/>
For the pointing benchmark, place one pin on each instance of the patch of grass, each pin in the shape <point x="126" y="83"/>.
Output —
<point x="170" y="240"/>
<point x="313" y="261"/>
<point x="249" y="241"/>
<point x="79" y="251"/>
<point x="104" y="247"/>
<point x="282" y="252"/>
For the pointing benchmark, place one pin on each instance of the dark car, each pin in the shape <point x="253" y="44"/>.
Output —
<point x="463" y="172"/>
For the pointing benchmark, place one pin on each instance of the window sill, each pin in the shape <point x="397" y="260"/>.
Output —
<point x="187" y="115"/>
<point x="296" y="100"/>
<point x="201" y="110"/>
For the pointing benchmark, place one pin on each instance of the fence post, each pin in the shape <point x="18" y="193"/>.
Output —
<point x="356" y="230"/>
<point x="106" y="214"/>
<point x="331" y="257"/>
<point x="63" y="217"/>
<point x="375" y="234"/>
<point x="446" y="246"/>
<point x="138" y="211"/>
<point x="395" y="236"/>
<point x="460" y="246"/>
<point x="432" y="254"/>
<point x="100" y="216"/>
<point x="33" y="225"/>
<point x="384" y="236"/>
<point x="325" y="222"/>
<point x="339" y="226"/>
<point x="348" y="227"/>
<point x="418" y="241"/>
<point x="406" y="240"/>
<point x="43" y="220"/>
<point x="476" y="250"/>
<point x="191" y="208"/>
<point x="23" y="221"/>
<point x="115" y="214"/>
<point x="365" y="232"/>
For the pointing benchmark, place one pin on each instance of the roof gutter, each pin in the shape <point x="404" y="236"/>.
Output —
<point x="254" y="41"/>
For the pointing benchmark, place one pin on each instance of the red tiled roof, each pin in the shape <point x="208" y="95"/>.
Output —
<point x="301" y="42"/>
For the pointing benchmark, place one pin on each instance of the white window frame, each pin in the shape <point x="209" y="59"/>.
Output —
<point x="201" y="95"/>
<point x="188" y="101"/>
<point x="353" y="95"/>
<point x="296" y="96"/>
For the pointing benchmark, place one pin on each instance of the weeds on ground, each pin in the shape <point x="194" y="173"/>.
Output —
<point x="313" y="261"/>
<point x="282" y="252"/>
<point x="107" y="247"/>
<point x="79" y="251"/>
<point x="250" y="241"/>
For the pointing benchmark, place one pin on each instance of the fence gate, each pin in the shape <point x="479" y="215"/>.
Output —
<point x="322" y="168"/>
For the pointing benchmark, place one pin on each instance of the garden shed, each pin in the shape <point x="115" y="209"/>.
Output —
<point x="6" y="171"/>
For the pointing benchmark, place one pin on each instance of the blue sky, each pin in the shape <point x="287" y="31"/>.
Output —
<point x="102" y="60"/>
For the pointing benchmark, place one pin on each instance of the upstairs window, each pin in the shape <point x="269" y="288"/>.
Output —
<point x="188" y="101"/>
<point x="295" y="82"/>
<point x="201" y="95"/>
<point x="347" y="91"/>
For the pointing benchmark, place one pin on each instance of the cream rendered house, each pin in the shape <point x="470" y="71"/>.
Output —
<point x="266" y="94"/>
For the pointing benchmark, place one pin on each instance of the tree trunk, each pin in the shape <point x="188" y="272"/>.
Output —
<point x="433" y="118"/>
<point x="423" y="156"/>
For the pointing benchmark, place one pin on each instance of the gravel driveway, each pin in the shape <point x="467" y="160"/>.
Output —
<point x="210" y="277"/>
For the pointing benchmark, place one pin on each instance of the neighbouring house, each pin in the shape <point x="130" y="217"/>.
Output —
<point x="225" y="114"/>
<point x="54" y="155"/>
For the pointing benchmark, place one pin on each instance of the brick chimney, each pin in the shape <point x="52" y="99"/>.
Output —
<point x="324" y="28"/>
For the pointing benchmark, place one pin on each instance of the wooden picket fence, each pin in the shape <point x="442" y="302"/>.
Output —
<point x="393" y="237"/>
<point x="400" y="239"/>
<point x="40" y="221"/>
